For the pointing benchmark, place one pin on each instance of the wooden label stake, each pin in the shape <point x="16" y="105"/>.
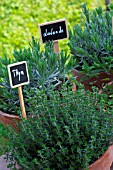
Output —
<point x="56" y="47"/>
<point x="22" y="102"/>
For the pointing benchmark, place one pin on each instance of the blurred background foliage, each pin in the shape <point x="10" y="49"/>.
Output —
<point x="19" y="19"/>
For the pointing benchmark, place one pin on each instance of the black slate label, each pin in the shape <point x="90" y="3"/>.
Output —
<point x="53" y="31"/>
<point x="18" y="74"/>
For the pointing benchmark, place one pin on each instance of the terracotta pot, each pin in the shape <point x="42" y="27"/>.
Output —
<point x="7" y="119"/>
<point x="99" y="81"/>
<point x="105" y="162"/>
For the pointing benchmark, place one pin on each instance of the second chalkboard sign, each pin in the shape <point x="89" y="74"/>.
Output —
<point x="18" y="74"/>
<point x="53" y="31"/>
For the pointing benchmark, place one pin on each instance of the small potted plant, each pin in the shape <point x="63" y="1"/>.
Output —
<point x="46" y="69"/>
<point x="91" y="44"/>
<point x="73" y="132"/>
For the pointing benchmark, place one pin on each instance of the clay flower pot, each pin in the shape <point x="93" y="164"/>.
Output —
<point x="105" y="162"/>
<point x="7" y="119"/>
<point x="99" y="81"/>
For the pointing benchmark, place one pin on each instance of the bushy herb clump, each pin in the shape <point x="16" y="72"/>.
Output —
<point x="46" y="69"/>
<point x="3" y="139"/>
<point x="91" y="42"/>
<point x="68" y="132"/>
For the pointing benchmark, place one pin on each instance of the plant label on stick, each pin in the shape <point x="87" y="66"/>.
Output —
<point x="18" y="76"/>
<point x="54" y="31"/>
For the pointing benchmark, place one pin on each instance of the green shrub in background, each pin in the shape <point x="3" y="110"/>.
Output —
<point x="46" y="70"/>
<point x="19" y="19"/>
<point x="68" y="132"/>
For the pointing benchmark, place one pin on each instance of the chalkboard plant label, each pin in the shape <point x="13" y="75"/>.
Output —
<point x="53" y="31"/>
<point x="18" y="74"/>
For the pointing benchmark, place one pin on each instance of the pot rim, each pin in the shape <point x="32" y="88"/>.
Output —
<point x="8" y="115"/>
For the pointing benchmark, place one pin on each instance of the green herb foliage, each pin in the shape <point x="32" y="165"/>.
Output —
<point x="3" y="140"/>
<point x="91" y="42"/>
<point x="68" y="132"/>
<point x="46" y="70"/>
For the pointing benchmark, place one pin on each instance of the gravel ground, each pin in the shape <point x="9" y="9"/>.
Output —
<point x="4" y="163"/>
